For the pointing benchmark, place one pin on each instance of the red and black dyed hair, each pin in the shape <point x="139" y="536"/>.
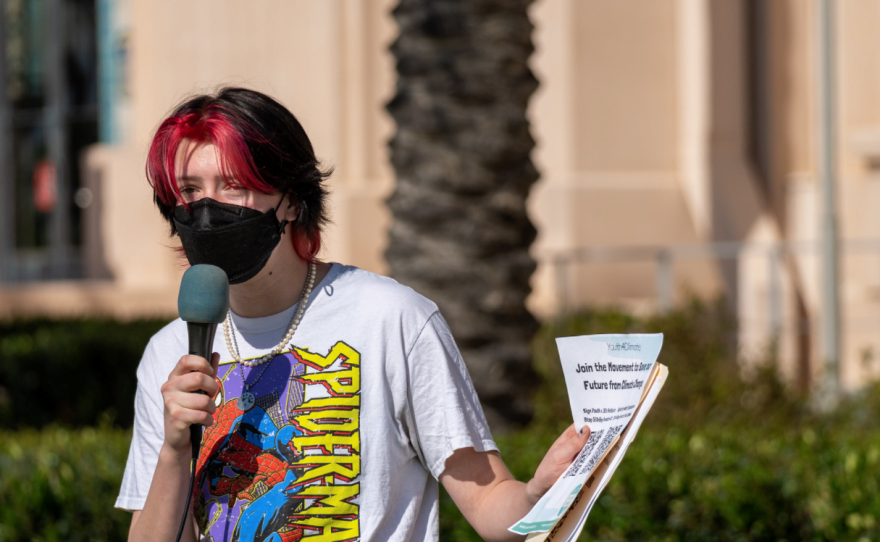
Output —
<point x="261" y="146"/>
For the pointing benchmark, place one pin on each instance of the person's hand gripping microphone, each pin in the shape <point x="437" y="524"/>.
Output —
<point x="203" y="303"/>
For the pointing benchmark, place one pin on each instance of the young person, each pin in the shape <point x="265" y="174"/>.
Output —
<point x="336" y="397"/>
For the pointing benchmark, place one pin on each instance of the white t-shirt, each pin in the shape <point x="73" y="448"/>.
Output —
<point x="349" y="431"/>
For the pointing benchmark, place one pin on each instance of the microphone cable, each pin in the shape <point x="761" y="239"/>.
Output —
<point x="192" y="483"/>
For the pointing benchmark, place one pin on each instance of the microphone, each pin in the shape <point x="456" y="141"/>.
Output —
<point x="202" y="303"/>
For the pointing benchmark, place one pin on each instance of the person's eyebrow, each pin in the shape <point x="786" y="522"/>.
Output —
<point x="232" y="181"/>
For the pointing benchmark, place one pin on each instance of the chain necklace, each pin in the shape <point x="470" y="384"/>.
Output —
<point x="246" y="399"/>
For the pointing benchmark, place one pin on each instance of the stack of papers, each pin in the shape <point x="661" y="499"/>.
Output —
<point x="612" y="383"/>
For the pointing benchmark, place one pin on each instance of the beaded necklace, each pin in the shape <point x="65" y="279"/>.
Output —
<point x="246" y="399"/>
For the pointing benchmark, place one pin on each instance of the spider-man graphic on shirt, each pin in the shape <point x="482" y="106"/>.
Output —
<point x="258" y="455"/>
<point x="286" y="468"/>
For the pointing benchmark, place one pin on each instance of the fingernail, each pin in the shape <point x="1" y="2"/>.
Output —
<point x="581" y="431"/>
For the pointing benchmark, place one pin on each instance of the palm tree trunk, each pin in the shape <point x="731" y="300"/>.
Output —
<point x="460" y="233"/>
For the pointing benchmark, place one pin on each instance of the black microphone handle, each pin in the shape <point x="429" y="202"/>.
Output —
<point x="201" y="341"/>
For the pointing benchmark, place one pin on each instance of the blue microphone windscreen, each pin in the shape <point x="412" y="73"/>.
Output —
<point x="204" y="295"/>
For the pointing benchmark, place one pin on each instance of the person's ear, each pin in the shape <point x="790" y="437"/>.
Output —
<point x="291" y="209"/>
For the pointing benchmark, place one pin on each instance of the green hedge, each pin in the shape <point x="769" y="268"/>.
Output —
<point x="720" y="483"/>
<point x="724" y="483"/>
<point x="718" y="458"/>
<point x="81" y="370"/>
<point x="59" y="484"/>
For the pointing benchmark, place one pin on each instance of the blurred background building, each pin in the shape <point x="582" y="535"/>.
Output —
<point x="677" y="142"/>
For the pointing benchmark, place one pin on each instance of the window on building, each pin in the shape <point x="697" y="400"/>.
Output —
<point x="49" y="115"/>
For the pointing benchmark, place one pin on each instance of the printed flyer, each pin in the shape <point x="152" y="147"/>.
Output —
<point x="607" y="377"/>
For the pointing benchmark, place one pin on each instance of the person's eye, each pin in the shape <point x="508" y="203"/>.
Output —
<point x="187" y="192"/>
<point x="235" y="193"/>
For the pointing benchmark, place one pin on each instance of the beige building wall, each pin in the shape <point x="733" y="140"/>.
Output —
<point x="327" y="61"/>
<point x="645" y="135"/>
<point x="795" y="174"/>
<point x="608" y="121"/>
<point x="858" y="147"/>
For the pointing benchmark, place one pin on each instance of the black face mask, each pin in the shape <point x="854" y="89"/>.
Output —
<point x="236" y="239"/>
